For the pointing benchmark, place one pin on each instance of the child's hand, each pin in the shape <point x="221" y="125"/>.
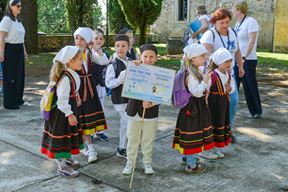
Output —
<point x="228" y="87"/>
<point x="72" y="120"/>
<point x="207" y="77"/>
<point x="147" y="104"/>
<point x="136" y="62"/>
<point x="121" y="77"/>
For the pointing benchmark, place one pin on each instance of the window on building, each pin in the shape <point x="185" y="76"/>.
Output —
<point x="182" y="9"/>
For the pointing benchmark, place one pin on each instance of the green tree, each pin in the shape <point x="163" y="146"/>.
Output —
<point x="50" y="16"/>
<point x="117" y="18"/>
<point x="80" y="13"/>
<point x="142" y="14"/>
<point x="97" y="15"/>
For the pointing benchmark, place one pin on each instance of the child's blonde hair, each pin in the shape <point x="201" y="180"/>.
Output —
<point x="58" y="68"/>
<point x="192" y="69"/>
<point x="211" y="66"/>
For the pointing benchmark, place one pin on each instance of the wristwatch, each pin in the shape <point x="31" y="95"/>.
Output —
<point x="244" y="58"/>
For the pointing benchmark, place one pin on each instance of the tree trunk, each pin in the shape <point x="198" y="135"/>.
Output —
<point x="142" y="28"/>
<point x="29" y="20"/>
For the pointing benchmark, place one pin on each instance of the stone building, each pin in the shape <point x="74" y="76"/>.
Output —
<point x="271" y="14"/>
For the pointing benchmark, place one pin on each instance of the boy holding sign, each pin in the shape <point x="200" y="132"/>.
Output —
<point x="142" y="128"/>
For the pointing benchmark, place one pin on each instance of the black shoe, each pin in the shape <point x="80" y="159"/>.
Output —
<point x="12" y="107"/>
<point x="121" y="153"/>
<point x="21" y="102"/>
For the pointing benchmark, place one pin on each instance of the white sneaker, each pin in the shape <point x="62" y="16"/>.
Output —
<point x="67" y="171"/>
<point x="219" y="154"/>
<point x="72" y="163"/>
<point x="127" y="169"/>
<point x="208" y="155"/>
<point x="85" y="150"/>
<point x="92" y="156"/>
<point x="148" y="170"/>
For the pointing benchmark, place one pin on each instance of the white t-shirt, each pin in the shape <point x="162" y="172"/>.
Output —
<point x="249" y="25"/>
<point x="231" y="46"/>
<point x="15" y="30"/>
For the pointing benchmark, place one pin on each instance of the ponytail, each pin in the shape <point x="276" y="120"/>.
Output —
<point x="211" y="66"/>
<point x="192" y="69"/>
<point x="56" y="71"/>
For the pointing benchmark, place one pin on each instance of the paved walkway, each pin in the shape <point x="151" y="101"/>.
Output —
<point x="257" y="163"/>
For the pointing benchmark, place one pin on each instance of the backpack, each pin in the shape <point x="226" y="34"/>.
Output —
<point x="180" y="94"/>
<point x="49" y="98"/>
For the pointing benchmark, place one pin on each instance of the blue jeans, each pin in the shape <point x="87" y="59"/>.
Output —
<point x="233" y="105"/>
<point x="250" y="86"/>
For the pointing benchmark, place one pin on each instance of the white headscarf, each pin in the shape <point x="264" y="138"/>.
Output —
<point x="11" y="1"/>
<point x="66" y="54"/>
<point x="220" y="56"/>
<point x="85" y="33"/>
<point x="194" y="50"/>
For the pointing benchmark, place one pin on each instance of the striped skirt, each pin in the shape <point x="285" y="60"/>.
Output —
<point x="220" y="116"/>
<point x="193" y="132"/>
<point x="60" y="140"/>
<point x="91" y="115"/>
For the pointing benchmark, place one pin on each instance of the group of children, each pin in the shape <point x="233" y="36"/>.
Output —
<point x="204" y="122"/>
<point x="83" y="73"/>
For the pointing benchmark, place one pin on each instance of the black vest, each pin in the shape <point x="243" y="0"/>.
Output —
<point x="131" y="55"/>
<point x="118" y="66"/>
<point x="136" y="107"/>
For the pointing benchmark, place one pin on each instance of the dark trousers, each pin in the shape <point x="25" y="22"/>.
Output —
<point x="250" y="86"/>
<point x="13" y="75"/>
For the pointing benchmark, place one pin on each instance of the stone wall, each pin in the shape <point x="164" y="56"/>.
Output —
<point x="280" y="28"/>
<point x="262" y="10"/>
<point x="47" y="43"/>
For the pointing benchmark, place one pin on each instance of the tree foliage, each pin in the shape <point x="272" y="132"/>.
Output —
<point x="117" y="18"/>
<point x="2" y="8"/>
<point x="80" y="13"/>
<point x="51" y="16"/>
<point x="141" y="14"/>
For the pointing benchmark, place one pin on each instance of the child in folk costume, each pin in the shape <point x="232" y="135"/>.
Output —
<point x="222" y="85"/>
<point x="142" y="131"/>
<point x="62" y="135"/>
<point x="98" y="42"/>
<point x="193" y="132"/>
<point x="131" y="53"/>
<point x="91" y="115"/>
<point x="114" y="80"/>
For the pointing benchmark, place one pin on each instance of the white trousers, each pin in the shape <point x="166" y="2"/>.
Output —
<point x="120" y="108"/>
<point x="140" y="133"/>
<point x="101" y="91"/>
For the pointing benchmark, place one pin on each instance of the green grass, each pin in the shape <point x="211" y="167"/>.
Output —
<point x="39" y="65"/>
<point x="278" y="61"/>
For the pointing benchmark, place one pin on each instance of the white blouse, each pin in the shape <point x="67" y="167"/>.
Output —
<point x="197" y="89"/>
<point x="111" y="81"/>
<point x="100" y="60"/>
<point x="15" y="30"/>
<point x="63" y="92"/>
